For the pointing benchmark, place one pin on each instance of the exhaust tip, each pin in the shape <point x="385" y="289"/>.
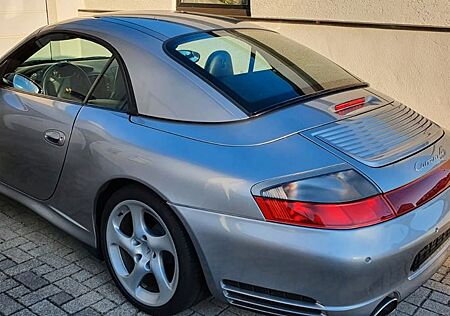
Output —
<point x="387" y="306"/>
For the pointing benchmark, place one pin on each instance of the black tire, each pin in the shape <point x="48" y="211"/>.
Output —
<point x="191" y="285"/>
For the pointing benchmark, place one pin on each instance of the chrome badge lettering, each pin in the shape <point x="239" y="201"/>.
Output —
<point x="434" y="159"/>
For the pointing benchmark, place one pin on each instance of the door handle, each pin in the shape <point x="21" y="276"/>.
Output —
<point x="55" y="137"/>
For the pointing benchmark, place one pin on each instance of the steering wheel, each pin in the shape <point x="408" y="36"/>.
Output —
<point x="66" y="80"/>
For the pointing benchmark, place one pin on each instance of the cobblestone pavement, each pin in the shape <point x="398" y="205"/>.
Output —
<point x="44" y="271"/>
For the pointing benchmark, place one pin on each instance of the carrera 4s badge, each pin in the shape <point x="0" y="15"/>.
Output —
<point x="435" y="158"/>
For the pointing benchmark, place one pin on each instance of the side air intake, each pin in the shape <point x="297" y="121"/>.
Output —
<point x="270" y="301"/>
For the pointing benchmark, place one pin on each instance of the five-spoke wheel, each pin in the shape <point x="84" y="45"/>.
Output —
<point x="149" y="253"/>
<point x="142" y="252"/>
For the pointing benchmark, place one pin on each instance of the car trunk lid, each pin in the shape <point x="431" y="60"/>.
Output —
<point x="382" y="136"/>
<point x="393" y="145"/>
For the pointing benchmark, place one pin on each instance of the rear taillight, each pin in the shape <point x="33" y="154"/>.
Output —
<point x="346" y="200"/>
<point x="421" y="191"/>
<point x="361" y="213"/>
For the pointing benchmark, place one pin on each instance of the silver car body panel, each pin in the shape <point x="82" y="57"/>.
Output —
<point x="382" y="136"/>
<point x="26" y="157"/>
<point x="358" y="268"/>
<point x="206" y="172"/>
<point x="105" y="146"/>
<point x="400" y="173"/>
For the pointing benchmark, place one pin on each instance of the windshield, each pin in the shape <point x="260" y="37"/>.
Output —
<point x="259" y="69"/>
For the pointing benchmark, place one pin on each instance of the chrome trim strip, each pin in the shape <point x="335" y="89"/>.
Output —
<point x="69" y="218"/>
<point x="270" y="298"/>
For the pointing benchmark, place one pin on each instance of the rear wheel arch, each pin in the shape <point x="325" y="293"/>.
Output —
<point x="107" y="190"/>
<point x="113" y="185"/>
<point x="117" y="190"/>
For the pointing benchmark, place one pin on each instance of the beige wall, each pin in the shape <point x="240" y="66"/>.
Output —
<point x="18" y="19"/>
<point x="420" y="12"/>
<point x="59" y="10"/>
<point x="130" y="4"/>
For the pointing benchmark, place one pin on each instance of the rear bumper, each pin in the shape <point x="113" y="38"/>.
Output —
<point x="347" y="272"/>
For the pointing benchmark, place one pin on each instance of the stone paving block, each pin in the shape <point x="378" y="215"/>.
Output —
<point x="43" y="269"/>
<point x="18" y="291"/>
<point x="436" y="307"/>
<point x="31" y="280"/>
<point x="60" y="298"/>
<point x="424" y="312"/>
<point x="7" y="284"/>
<point x="87" y="312"/>
<point x="440" y="297"/>
<point x="82" y="302"/>
<point x="111" y="292"/>
<point x="98" y="280"/>
<point x="8" y="306"/>
<point x="28" y="246"/>
<point x="71" y="286"/>
<point x="39" y="295"/>
<point x="6" y="263"/>
<point x="437" y="286"/>
<point x="447" y="263"/>
<point x="15" y="242"/>
<point x="446" y="280"/>
<point x="186" y="312"/>
<point x="62" y="273"/>
<point x="92" y="265"/>
<point x="103" y="306"/>
<point x="23" y="267"/>
<point x="76" y="256"/>
<point x="39" y="238"/>
<point x="407" y="308"/>
<point x="17" y="255"/>
<point x="419" y="296"/>
<point x="54" y="261"/>
<point x="45" y="308"/>
<point x="82" y="275"/>
<point x="24" y="312"/>
<point x="126" y="309"/>
<point x="206" y="308"/>
<point x="437" y="277"/>
<point x="6" y="233"/>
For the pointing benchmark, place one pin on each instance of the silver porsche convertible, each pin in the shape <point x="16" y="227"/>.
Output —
<point x="201" y="155"/>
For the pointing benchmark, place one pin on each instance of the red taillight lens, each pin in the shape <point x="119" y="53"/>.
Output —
<point x="349" y="104"/>
<point x="419" y="192"/>
<point x="348" y="215"/>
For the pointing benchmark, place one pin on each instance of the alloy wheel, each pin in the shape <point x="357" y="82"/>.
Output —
<point x="142" y="253"/>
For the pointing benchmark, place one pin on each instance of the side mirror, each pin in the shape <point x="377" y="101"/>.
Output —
<point x="23" y="83"/>
<point x="190" y="54"/>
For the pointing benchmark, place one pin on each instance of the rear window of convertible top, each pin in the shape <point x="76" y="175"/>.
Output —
<point x="259" y="70"/>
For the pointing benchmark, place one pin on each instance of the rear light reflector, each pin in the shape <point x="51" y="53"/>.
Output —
<point x="361" y="213"/>
<point x="421" y="191"/>
<point x="348" y="215"/>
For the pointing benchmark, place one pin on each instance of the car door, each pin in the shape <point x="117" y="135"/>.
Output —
<point x="44" y="84"/>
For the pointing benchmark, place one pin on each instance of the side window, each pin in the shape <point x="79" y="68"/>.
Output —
<point x="57" y="65"/>
<point x="224" y="56"/>
<point x="110" y="91"/>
